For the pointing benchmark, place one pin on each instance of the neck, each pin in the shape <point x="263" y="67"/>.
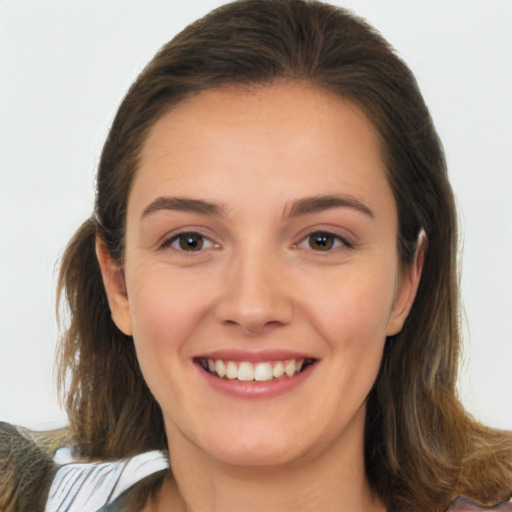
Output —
<point x="334" y="480"/>
<point x="271" y="489"/>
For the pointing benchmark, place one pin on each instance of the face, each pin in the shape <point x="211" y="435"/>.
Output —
<point x="261" y="274"/>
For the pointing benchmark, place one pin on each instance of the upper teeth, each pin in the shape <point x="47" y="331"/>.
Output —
<point x="246" y="371"/>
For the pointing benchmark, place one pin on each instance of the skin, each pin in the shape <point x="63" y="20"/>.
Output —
<point x="260" y="282"/>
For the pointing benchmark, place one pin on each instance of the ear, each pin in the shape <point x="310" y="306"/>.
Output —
<point x="407" y="287"/>
<point x="113" y="281"/>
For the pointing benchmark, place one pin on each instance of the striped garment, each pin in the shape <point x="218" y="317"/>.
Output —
<point x="462" y="504"/>
<point x="87" y="487"/>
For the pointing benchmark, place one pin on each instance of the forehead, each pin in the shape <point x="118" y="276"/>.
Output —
<point x="287" y="137"/>
<point x="273" y="105"/>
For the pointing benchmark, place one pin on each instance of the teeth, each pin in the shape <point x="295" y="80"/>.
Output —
<point x="289" y="368"/>
<point x="278" y="370"/>
<point x="246" y="372"/>
<point x="231" y="370"/>
<point x="220" y="368"/>
<point x="263" y="371"/>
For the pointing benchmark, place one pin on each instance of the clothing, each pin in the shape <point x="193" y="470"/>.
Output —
<point x="98" y="487"/>
<point x="462" y="504"/>
<point x="95" y="487"/>
<point x="87" y="487"/>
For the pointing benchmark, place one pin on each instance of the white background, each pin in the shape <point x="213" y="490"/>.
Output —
<point x="66" y="65"/>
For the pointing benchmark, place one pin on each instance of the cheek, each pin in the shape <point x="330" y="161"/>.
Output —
<point x="356" y="306"/>
<point x="352" y="318"/>
<point x="165" y="308"/>
<point x="165" y="311"/>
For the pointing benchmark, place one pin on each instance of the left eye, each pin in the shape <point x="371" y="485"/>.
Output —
<point x="322" y="241"/>
<point x="189" y="242"/>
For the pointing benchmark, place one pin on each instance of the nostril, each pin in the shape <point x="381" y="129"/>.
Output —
<point x="254" y="301"/>
<point x="254" y="328"/>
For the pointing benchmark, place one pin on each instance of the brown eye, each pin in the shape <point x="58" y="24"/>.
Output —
<point x="189" y="242"/>
<point x="321" y="241"/>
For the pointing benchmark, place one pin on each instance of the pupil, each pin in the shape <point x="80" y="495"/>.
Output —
<point x="321" y="241"/>
<point x="191" y="242"/>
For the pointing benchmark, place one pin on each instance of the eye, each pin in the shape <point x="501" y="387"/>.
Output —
<point x="189" y="242"/>
<point x="323" y="241"/>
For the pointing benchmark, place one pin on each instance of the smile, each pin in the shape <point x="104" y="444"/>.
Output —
<point x="245" y="371"/>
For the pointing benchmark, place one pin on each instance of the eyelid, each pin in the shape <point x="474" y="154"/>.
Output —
<point x="344" y="240"/>
<point x="170" y="239"/>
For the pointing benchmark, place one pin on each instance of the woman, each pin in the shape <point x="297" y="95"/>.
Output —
<point x="267" y="287"/>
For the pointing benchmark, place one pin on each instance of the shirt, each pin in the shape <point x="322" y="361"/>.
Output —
<point x="87" y="487"/>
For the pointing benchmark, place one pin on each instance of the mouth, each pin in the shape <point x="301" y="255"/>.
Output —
<point x="247" y="371"/>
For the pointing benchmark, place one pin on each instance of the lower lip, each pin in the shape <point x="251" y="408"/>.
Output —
<point x="256" y="389"/>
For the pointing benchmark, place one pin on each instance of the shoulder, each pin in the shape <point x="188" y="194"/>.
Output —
<point x="90" y="486"/>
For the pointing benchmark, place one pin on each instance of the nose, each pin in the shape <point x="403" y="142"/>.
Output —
<point x="255" y="296"/>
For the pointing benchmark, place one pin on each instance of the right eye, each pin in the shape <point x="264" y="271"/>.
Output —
<point x="324" y="241"/>
<point x="188" y="242"/>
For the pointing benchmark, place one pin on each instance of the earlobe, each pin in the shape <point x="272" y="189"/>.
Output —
<point x="113" y="281"/>
<point x="407" y="288"/>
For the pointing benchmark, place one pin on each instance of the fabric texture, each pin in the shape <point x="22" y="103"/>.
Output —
<point x="462" y="504"/>
<point x="88" y="487"/>
<point x="95" y="487"/>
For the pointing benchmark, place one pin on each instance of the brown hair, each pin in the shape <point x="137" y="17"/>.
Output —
<point x="26" y="471"/>
<point x="422" y="449"/>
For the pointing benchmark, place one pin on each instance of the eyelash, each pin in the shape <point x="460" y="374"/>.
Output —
<point x="331" y="241"/>
<point x="182" y="237"/>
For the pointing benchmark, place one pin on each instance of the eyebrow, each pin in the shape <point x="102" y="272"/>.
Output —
<point x="320" y="203"/>
<point x="297" y="208"/>
<point x="183" y="204"/>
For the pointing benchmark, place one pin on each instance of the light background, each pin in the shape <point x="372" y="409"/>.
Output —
<point x="64" y="67"/>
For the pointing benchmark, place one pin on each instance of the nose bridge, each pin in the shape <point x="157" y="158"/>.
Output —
<point x="254" y="294"/>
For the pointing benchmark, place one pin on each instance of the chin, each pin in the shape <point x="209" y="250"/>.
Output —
<point x="252" y="447"/>
<point x="255" y="456"/>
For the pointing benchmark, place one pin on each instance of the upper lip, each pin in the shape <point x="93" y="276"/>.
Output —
<point x="254" y="356"/>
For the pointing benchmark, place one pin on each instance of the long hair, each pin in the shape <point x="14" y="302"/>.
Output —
<point x="421" y="447"/>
